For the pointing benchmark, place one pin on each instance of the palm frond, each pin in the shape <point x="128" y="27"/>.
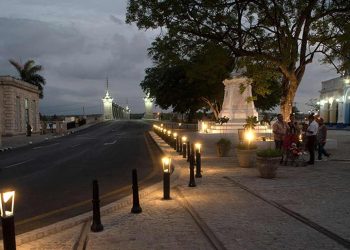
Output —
<point x="17" y="65"/>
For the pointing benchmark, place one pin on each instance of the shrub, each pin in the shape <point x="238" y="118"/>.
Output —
<point x="269" y="153"/>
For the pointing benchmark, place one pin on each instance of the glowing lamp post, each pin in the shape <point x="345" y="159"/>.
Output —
<point x="7" y="202"/>
<point x="188" y="150"/>
<point x="166" y="177"/>
<point x="184" y="146"/>
<point x="198" y="160"/>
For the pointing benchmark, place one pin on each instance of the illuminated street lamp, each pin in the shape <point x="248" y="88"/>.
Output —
<point x="184" y="146"/>
<point x="166" y="177"/>
<point x="7" y="203"/>
<point x="198" y="160"/>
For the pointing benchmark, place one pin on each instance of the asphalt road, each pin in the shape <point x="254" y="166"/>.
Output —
<point x="53" y="179"/>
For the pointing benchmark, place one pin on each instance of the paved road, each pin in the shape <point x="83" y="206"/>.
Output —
<point x="53" y="179"/>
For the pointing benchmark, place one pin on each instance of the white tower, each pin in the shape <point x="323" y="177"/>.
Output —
<point x="148" y="107"/>
<point x="107" y="106"/>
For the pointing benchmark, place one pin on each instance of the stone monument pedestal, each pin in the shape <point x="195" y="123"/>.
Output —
<point x="236" y="106"/>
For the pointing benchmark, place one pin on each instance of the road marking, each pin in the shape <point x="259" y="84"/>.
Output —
<point x="17" y="164"/>
<point x="110" y="143"/>
<point x="75" y="145"/>
<point x="46" y="146"/>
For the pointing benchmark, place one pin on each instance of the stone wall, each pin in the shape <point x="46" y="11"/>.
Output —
<point x="19" y="103"/>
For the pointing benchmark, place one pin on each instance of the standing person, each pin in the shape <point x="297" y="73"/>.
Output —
<point x="311" y="138"/>
<point x="321" y="139"/>
<point x="293" y="129"/>
<point x="279" y="129"/>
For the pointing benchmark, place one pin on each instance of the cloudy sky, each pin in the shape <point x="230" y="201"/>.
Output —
<point x="80" y="42"/>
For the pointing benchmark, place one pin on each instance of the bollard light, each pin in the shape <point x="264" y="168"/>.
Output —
<point x="184" y="146"/>
<point x="188" y="151"/>
<point x="192" y="182"/>
<point x="198" y="147"/>
<point x="161" y="124"/>
<point x="7" y="205"/>
<point x="166" y="177"/>
<point x="174" y="140"/>
<point x="180" y="124"/>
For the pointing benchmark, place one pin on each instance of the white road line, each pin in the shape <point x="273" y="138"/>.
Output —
<point x="17" y="164"/>
<point x="75" y="145"/>
<point x="46" y="146"/>
<point x="110" y="143"/>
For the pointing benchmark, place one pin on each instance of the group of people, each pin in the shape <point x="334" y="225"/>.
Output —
<point x="313" y="135"/>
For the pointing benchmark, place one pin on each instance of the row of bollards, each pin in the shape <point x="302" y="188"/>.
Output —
<point x="189" y="151"/>
<point x="96" y="225"/>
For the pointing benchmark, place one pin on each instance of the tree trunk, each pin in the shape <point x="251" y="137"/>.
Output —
<point x="214" y="107"/>
<point x="289" y="90"/>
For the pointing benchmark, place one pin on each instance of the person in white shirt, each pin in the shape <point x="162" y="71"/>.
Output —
<point x="311" y="138"/>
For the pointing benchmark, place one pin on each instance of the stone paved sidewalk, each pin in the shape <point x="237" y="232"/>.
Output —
<point x="226" y="212"/>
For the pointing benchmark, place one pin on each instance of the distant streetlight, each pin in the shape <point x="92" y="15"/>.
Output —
<point x="7" y="205"/>
<point x="184" y="146"/>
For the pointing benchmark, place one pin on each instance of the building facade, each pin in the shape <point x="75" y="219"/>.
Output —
<point x="19" y="106"/>
<point x="335" y="101"/>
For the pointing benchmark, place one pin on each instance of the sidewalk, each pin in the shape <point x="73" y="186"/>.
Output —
<point x="231" y="208"/>
<point x="23" y="140"/>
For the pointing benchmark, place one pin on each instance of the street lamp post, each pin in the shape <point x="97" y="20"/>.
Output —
<point x="166" y="177"/>
<point x="7" y="202"/>
<point x="198" y="161"/>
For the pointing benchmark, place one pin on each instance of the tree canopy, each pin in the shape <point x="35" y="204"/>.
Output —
<point x="283" y="35"/>
<point x="29" y="72"/>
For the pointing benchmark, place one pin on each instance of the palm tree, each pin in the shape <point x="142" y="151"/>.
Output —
<point x="29" y="73"/>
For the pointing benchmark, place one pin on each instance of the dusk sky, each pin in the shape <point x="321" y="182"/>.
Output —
<point x="80" y="42"/>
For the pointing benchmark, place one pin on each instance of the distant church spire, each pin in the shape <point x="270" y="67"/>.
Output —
<point x="107" y="82"/>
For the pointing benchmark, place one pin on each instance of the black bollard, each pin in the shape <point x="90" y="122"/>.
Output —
<point x="174" y="143"/>
<point x="188" y="151"/>
<point x="96" y="217"/>
<point x="198" y="164"/>
<point x="8" y="232"/>
<point x="192" y="180"/>
<point x="184" y="150"/>
<point x="166" y="185"/>
<point x="136" y="209"/>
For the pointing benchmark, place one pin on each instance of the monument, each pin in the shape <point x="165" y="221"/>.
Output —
<point x="107" y="106"/>
<point x="149" y="107"/>
<point x="236" y="104"/>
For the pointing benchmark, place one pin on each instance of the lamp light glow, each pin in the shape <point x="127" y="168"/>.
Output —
<point x="184" y="139"/>
<point x="249" y="136"/>
<point x="198" y="147"/>
<point x="175" y="135"/>
<point x="166" y="164"/>
<point x="7" y="202"/>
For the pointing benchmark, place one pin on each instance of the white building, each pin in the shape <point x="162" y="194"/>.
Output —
<point x="335" y="101"/>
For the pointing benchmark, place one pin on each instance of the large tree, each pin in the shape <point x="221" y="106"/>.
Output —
<point x="188" y="84"/>
<point x="29" y="72"/>
<point x="284" y="35"/>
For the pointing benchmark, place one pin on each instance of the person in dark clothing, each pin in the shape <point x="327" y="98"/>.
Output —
<point x="311" y="138"/>
<point x="29" y="130"/>
<point x="321" y="139"/>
